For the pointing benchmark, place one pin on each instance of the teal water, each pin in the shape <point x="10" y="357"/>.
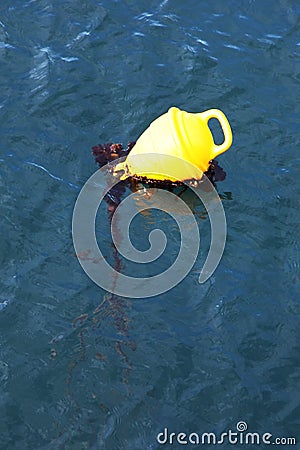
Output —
<point x="199" y="358"/>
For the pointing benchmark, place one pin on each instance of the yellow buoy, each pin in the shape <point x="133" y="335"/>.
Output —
<point x="184" y="136"/>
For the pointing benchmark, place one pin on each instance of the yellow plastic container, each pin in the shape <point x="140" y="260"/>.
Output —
<point x="183" y="135"/>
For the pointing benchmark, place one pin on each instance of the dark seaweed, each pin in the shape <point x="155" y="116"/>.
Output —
<point x="109" y="152"/>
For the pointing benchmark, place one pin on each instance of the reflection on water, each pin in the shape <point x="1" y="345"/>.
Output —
<point x="80" y="368"/>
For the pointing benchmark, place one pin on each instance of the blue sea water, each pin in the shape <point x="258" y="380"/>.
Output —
<point x="80" y="369"/>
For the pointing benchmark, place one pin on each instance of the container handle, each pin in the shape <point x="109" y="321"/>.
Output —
<point x="220" y="116"/>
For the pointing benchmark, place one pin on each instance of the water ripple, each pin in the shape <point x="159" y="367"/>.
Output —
<point x="51" y="174"/>
<point x="41" y="70"/>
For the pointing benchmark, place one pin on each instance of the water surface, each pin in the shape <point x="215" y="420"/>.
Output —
<point x="199" y="358"/>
